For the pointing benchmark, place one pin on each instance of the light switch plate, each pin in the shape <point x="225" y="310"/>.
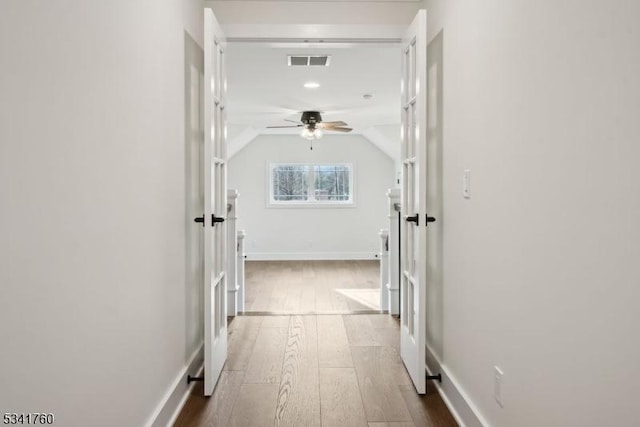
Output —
<point x="466" y="184"/>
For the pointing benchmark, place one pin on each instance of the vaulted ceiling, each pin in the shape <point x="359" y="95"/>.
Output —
<point x="264" y="91"/>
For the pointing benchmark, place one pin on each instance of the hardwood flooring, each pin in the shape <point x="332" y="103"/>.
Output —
<point x="314" y="370"/>
<point x="312" y="287"/>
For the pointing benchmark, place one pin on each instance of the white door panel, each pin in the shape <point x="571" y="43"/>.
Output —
<point x="215" y="205"/>
<point x="413" y="230"/>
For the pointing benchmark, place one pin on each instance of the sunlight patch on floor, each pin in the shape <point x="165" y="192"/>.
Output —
<point x="367" y="297"/>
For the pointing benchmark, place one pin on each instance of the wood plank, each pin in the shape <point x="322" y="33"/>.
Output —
<point x="216" y="410"/>
<point x="427" y="410"/>
<point x="292" y="299"/>
<point x="307" y="298"/>
<point x="243" y="331"/>
<point x="255" y="406"/>
<point x="265" y="364"/>
<point x="276" y="322"/>
<point x="360" y="331"/>
<point x="379" y="321"/>
<point x="296" y="287"/>
<point x="299" y="393"/>
<point x="340" y="399"/>
<point x="333" y="344"/>
<point x="381" y="396"/>
<point x="393" y="424"/>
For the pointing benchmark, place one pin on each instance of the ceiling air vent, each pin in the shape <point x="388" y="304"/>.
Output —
<point x="309" y="61"/>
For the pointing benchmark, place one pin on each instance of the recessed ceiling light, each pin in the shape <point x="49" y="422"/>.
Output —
<point x="312" y="85"/>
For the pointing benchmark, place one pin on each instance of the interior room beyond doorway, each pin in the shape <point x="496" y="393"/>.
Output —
<point x="312" y="287"/>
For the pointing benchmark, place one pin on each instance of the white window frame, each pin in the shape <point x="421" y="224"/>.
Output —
<point x="311" y="202"/>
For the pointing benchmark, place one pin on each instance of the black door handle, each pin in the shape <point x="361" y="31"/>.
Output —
<point x="430" y="219"/>
<point x="214" y="220"/>
<point x="415" y="218"/>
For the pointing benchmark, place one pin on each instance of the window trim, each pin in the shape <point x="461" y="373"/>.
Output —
<point x="312" y="203"/>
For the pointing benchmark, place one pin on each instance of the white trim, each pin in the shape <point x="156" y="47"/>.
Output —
<point x="365" y="33"/>
<point x="176" y="396"/>
<point x="310" y="256"/>
<point x="464" y="411"/>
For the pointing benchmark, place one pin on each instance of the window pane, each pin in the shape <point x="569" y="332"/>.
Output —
<point x="332" y="182"/>
<point x="290" y="182"/>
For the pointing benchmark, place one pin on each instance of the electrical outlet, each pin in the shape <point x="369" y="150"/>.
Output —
<point x="497" y="385"/>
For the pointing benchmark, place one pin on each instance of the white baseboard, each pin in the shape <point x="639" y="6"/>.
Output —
<point x="176" y="396"/>
<point x="310" y="256"/>
<point x="457" y="400"/>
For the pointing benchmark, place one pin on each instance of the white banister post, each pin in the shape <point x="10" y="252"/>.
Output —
<point x="394" y="252"/>
<point x="384" y="269"/>
<point x="240" y="276"/>
<point x="232" y="244"/>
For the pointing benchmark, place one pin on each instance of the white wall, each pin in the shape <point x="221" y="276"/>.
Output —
<point x="311" y="233"/>
<point x="541" y="102"/>
<point x="93" y="302"/>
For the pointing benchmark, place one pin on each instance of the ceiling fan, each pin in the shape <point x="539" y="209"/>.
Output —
<point x="312" y="125"/>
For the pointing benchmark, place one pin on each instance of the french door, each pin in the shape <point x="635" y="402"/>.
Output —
<point x="413" y="262"/>
<point x="215" y="203"/>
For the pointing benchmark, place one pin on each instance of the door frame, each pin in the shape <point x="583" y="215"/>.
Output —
<point x="328" y="34"/>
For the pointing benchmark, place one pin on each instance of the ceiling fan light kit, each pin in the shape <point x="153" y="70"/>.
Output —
<point x="313" y="127"/>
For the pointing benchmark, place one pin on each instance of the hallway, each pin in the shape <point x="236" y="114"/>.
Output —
<point x="314" y="370"/>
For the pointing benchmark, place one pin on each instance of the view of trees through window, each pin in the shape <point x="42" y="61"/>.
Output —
<point x="311" y="183"/>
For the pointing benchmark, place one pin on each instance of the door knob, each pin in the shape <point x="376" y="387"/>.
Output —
<point x="430" y="219"/>
<point x="199" y="219"/>
<point x="215" y="219"/>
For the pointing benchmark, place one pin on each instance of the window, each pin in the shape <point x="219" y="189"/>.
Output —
<point x="311" y="184"/>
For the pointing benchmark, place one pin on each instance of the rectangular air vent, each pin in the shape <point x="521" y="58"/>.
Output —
<point x="309" y="61"/>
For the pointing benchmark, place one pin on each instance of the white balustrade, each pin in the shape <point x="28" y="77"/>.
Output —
<point x="240" y="271"/>
<point x="232" y="245"/>
<point x="393" y="286"/>
<point x="384" y="269"/>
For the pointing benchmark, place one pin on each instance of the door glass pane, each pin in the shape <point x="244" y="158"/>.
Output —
<point x="407" y="76"/>
<point x="413" y="82"/>
<point x="411" y="308"/>
<point x="405" y="306"/>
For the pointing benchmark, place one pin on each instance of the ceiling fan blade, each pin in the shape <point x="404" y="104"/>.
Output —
<point x="278" y="127"/>
<point x="340" y="129"/>
<point x="292" y="121"/>
<point x="330" y="124"/>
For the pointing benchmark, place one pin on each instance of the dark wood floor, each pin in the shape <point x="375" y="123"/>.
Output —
<point x="314" y="370"/>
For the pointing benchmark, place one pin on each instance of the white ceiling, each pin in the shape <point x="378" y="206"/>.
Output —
<point x="263" y="90"/>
